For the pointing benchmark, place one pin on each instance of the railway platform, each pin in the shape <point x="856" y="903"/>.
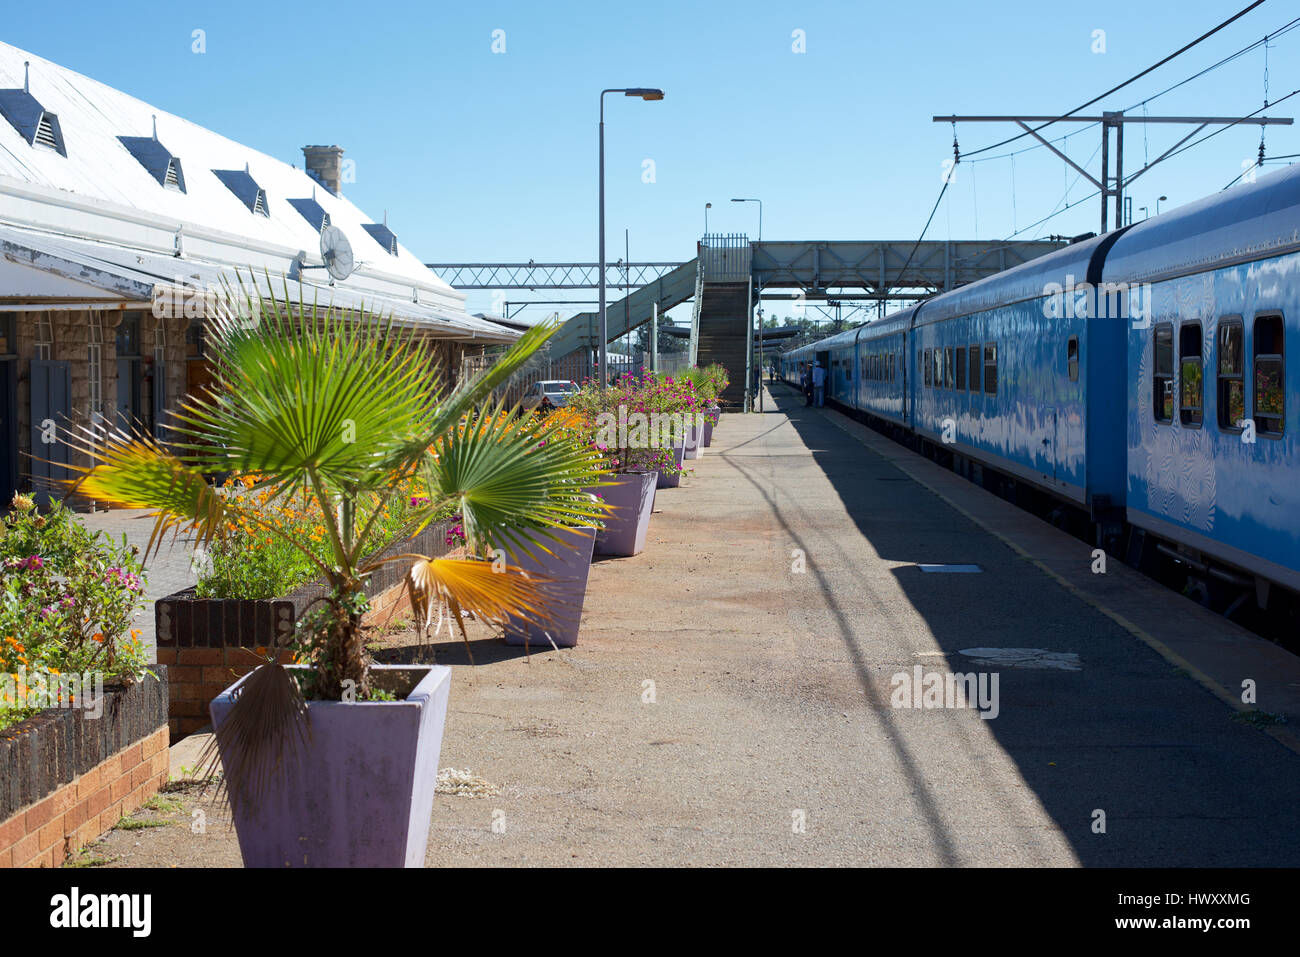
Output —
<point x="735" y="697"/>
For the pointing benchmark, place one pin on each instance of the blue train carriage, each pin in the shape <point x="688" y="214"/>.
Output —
<point x="883" y="375"/>
<point x="839" y="357"/>
<point x="1013" y="372"/>
<point x="793" y="362"/>
<point x="1213" y="384"/>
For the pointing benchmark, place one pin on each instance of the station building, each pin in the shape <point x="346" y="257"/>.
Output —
<point x="120" y="223"/>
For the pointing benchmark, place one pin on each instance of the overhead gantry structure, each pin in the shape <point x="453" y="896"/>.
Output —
<point x="730" y="274"/>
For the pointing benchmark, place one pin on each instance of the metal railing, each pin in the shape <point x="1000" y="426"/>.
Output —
<point x="575" y="366"/>
<point x="725" y="258"/>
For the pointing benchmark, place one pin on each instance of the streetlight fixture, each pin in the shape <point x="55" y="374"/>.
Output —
<point x="645" y="93"/>
<point x="1143" y="211"/>
<point x="760" y="214"/>
<point x="1162" y="199"/>
<point x="707" y="207"/>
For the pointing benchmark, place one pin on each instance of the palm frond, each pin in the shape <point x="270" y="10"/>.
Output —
<point x="506" y="475"/>
<point x="136" y="472"/>
<point x="267" y="727"/>
<point x="307" y="386"/>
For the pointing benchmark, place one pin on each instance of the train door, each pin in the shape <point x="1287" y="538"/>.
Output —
<point x="1051" y="420"/>
<point x="903" y="383"/>
<point x="824" y="359"/>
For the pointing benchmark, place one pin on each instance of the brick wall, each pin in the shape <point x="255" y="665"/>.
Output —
<point x="71" y="331"/>
<point x="66" y="778"/>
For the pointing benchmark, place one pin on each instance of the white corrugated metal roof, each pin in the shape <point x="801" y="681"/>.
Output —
<point x="100" y="194"/>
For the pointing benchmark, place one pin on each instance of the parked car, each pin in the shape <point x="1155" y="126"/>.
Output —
<point x="548" y="394"/>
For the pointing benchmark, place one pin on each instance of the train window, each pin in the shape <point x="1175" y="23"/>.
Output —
<point x="938" y="368"/>
<point x="1231" y="377"/>
<point x="959" y="369"/>
<point x="947" y="368"/>
<point x="991" y="368"/>
<point x="891" y="367"/>
<point x="1072" y="358"/>
<point x="1162" y="368"/>
<point x="974" y="366"/>
<point x="926" y="366"/>
<point x="1191" y="380"/>
<point x="1270" y="397"/>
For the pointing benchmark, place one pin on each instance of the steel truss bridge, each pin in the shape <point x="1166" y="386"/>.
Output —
<point x="882" y="270"/>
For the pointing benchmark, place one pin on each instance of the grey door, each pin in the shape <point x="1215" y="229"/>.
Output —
<point x="128" y="395"/>
<point x="8" y="430"/>
<point x="51" y="408"/>
<point x="159" y="400"/>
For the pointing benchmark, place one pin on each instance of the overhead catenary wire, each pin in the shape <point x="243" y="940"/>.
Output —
<point x="1137" y="76"/>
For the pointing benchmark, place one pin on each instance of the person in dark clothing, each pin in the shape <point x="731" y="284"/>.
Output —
<point x="805" y="381"/>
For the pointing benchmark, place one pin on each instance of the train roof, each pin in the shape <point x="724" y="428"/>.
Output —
<point x="1247" y="222"/>
<point x="889" y="325"/>
<point x="1026" y="281"/>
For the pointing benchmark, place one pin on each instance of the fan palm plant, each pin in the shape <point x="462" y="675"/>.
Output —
<point x="343" y="409"/>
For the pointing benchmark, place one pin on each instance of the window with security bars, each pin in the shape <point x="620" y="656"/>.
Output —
<point x="44" y="344"/>
<point x="94" y="362"/>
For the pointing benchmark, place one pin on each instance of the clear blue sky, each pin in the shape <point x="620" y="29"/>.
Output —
<point x="479" y="156"/>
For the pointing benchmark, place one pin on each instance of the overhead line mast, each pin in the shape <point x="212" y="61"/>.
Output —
<point x="1116" y="120"/>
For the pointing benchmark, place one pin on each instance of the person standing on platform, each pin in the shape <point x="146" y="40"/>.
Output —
<point x="819" y="385"/>
<point x="805" y="384"/>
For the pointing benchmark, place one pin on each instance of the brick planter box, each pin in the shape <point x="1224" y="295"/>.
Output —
<point x="66" y="778"/>
<point x="207" y="643"/>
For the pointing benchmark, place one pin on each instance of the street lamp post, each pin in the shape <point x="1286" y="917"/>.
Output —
<point x="1159" y="200"/>
<point x="707" y="207"/>
<point x="644" y="93"/>
<point x="758" y="390"/>
<point x="760" y="214"/>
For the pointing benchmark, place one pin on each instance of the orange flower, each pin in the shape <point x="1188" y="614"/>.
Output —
<point x="98" y="636"/>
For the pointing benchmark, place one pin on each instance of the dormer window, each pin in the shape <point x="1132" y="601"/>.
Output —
<point x="34" y="123"/>
<point x="381" y="234"/>
<point x="241" y="183"/>
<point x="313" y="212"/>
<point x="160" y="162"/>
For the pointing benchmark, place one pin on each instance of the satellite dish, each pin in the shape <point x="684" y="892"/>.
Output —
<point x="337" y="252"/>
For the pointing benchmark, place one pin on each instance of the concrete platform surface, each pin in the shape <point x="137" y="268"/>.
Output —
<point x="731" y="699"/>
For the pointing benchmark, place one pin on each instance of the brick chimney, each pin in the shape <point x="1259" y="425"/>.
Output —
<point x="325" y="165"/>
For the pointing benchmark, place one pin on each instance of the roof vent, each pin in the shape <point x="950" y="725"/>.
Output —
<point x="381" y="234"/>
<point x="312" y="211"/>
<point x="161" y="163"/>
<point x="32" y="121"/>
<point x="241" y="183"/>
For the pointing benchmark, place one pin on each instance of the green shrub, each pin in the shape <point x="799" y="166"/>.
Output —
<point x="67" y="600"/>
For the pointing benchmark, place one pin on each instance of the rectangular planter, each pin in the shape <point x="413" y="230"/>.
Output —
<point x="67" y="777"/>
<point x="632" y="495"/>
<point x="674" y="480"/>
<point x="362" y="793"/>
<point x="568" y="563"/>
<point x="210" y="641"/>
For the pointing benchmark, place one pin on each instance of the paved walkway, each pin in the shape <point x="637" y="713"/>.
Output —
<point x="729" y="702"/>
<point x="168" y="571"/>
